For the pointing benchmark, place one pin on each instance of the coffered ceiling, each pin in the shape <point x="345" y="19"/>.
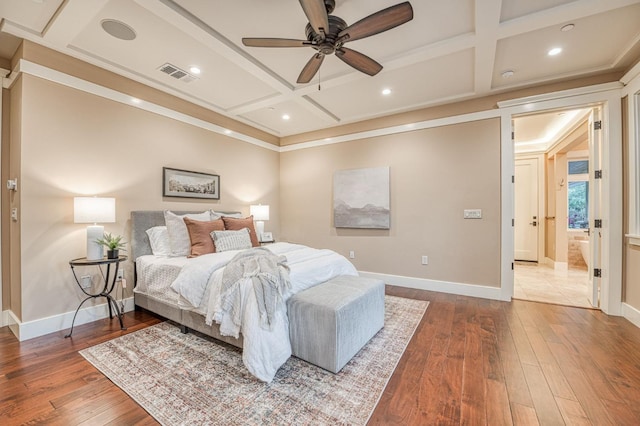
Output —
<point x="450" y="51"/>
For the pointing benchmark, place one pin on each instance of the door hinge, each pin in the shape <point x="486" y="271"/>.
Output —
<point x="513" y="136"/>
<point x="597" y="125"/>
<point x="597" y="272"/>
<point x="597" y="223"/>
<point x="513" y="179"/>
<point x="513" y="222"/>
<point x="512" y="266"/>
<point x="598" y="174"/>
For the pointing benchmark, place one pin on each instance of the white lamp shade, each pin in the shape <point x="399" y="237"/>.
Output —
<point x="94" y="210"/>
<point x="259" y="211"/>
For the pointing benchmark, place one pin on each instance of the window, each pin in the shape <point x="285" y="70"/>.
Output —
<point x="578" y="194"/>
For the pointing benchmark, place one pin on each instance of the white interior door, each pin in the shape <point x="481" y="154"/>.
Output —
<point x="526" y="209"/>
<point x="595" y="197"/>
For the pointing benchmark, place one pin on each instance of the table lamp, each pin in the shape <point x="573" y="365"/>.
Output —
<point x="260" y="213"/>
<point x="94" y="210"/>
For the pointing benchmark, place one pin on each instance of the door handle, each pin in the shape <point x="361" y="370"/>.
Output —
<point x="534" y="223"/>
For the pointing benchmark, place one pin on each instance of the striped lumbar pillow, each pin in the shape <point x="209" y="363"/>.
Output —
<point x="231" y="240"/>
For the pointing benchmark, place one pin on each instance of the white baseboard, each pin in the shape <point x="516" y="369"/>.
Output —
<point x="632" y="314"/>
<point x="558" y="266"/>
<point x="30" y="329"/>
<point x="4" y="318"/>
<point x="473" y="290"/>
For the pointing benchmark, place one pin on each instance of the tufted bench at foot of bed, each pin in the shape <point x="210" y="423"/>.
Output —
<point x="331" y="322"/>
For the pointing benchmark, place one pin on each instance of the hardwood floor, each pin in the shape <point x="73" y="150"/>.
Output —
<point x="471" y="361"/>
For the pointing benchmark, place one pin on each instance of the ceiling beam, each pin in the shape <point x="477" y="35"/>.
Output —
<point x="487" y="25"/>
<point x="63" y="26"/>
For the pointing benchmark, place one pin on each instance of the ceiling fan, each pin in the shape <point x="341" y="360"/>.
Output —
<point x="328" y="33"/>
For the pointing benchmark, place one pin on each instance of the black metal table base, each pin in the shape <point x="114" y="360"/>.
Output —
<point x="107" y="288"/>
<point x="110" y="301"/>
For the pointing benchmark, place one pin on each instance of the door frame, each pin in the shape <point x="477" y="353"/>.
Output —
<point x="609" y="96"/>
<point x="541" y="200"/>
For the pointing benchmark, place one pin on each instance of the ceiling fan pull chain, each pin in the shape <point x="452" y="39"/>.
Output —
<point x="319" y="78"/>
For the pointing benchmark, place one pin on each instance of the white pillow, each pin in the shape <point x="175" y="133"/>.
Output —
<point x="231" y="240"/>
<point x="217" y="215"/>
<point x="159" y="241"/>
<point x="178" y="233"/>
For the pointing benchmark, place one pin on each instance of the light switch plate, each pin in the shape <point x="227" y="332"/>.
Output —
<point x="473" y="213"/>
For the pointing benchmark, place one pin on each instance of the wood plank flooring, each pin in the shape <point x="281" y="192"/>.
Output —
<point x="471" y="361"/>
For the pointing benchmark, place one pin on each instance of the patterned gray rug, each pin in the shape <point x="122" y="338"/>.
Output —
<point x="185" y="379"/>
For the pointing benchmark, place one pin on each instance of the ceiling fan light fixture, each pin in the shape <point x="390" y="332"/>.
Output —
<point x="328" y="33"/>
<point x="118" y="29"/>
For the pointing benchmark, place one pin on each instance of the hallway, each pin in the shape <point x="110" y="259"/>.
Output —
<point x="542" y="283"/>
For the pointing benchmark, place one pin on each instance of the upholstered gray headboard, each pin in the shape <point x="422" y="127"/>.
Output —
<point x="141" y="220"/>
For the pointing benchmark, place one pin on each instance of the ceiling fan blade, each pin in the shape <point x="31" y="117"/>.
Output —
<point x="311" y="68"/>
<point x="274" y="42"/>
<point x="316" y="13"/>
<point x="380" y="21"/>
<point x="359" y="61"/>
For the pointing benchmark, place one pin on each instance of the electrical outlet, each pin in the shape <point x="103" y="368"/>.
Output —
<point x="120" y="275"/>
<point x="352" y="254"/>
<point x="425" y="260"/>
<point x="85" y="281"/>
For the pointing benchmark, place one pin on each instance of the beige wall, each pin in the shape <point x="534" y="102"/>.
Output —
<point x="90" y="145"/>
<point x="11" y="232"/>
<point x="435" y="174"/>
<point x="4" y="200"/>
<point x="632" y="276"/>
<point x="631" y="253"/>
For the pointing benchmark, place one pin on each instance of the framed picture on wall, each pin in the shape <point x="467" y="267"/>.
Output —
<point x="361" y="198"/>
<point x="188" y="184"/>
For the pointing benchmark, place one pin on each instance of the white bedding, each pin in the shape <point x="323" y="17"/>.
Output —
<point x="198" y="286"/>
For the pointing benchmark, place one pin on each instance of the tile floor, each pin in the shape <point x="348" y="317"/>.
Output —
<point x="542" y="283"/>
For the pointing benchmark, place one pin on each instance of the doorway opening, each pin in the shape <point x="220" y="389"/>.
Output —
<point x="556" y="153"/>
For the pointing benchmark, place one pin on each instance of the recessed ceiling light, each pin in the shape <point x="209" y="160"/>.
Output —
<point x="507" y="73"/>
<point x="195" y="70"/>
<point x="555" y="51"/>
<point x="286" y="117"/>
<point x="118" y="29"/>
<point x="567" y="27"/>
<point x="386" y="92"/>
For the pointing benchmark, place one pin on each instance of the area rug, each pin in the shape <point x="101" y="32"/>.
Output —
<point x="185" y="379"/>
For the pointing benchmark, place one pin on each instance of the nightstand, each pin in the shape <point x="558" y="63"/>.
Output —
<point x="106" y="289"/>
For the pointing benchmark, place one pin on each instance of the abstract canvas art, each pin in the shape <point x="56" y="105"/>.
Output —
<point x="361" y="198"/>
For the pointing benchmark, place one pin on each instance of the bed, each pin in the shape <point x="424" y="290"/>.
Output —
<point x="165" y="285"/>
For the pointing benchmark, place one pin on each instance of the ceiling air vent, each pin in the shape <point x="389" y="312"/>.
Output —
<point x="177" y="73"/>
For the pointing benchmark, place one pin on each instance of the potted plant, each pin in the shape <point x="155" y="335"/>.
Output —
<point x="113" y="243"/>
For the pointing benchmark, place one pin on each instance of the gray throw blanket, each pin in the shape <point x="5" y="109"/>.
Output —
<point x="269" y="274"/>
